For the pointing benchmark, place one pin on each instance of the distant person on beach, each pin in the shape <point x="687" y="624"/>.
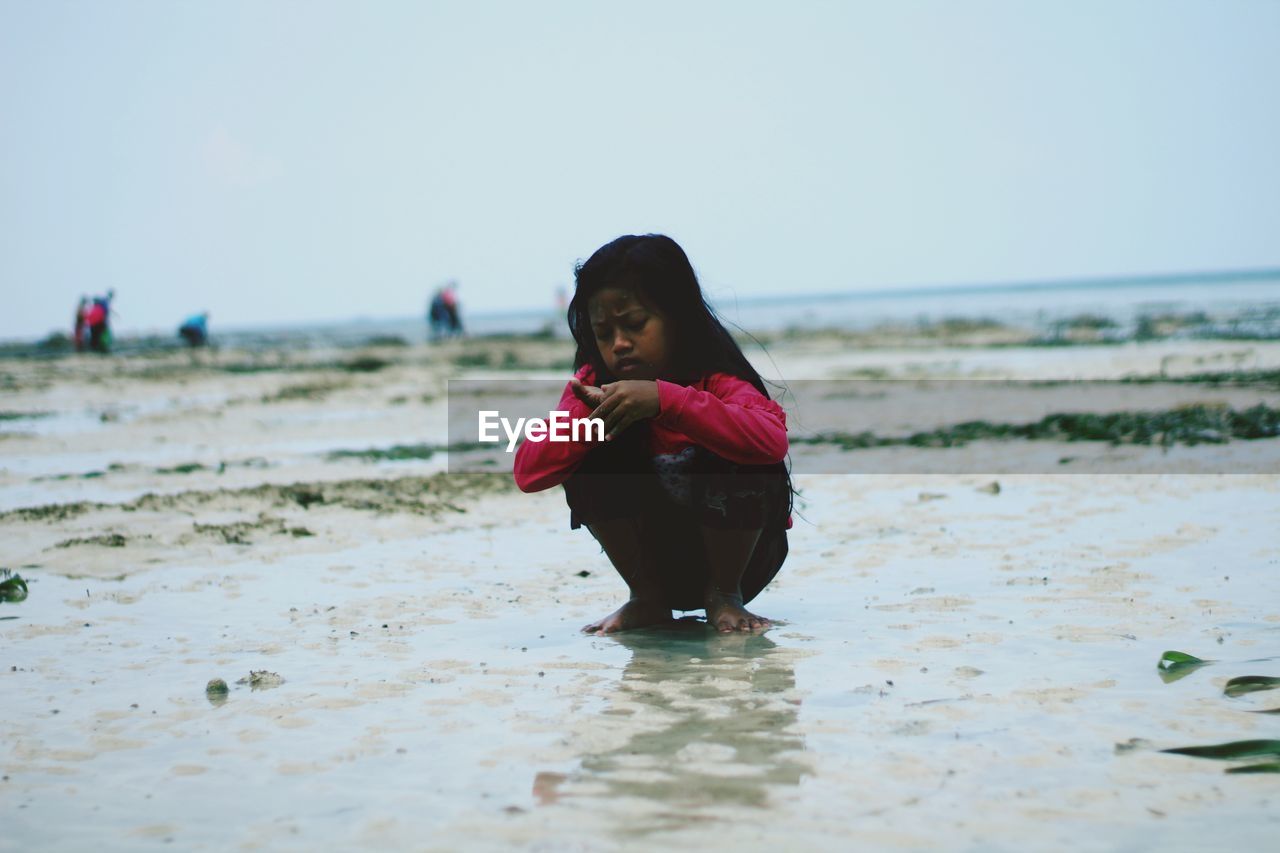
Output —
<point x="689" y="495"/>
<point x="98" y="319"/>
<point x="444" y="316"/>
<point x="195" y="329"/>
<point x="81" y="324"/>
<point x="452" y="310"/>
<point x="437" y="317"/>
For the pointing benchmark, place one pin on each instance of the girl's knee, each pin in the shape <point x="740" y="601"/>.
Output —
<point x="597" y="498"/>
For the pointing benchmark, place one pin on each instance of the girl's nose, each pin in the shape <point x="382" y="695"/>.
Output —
<point x="621" y="343"/>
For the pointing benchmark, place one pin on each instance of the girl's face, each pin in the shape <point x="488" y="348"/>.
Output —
<point x="631" y="336"/>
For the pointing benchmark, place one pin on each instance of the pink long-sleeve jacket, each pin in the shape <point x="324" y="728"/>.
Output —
<point x="720" y="412"/>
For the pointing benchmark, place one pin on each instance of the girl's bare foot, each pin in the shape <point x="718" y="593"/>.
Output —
<point x="726" y="614"/>
<point x="636" y="613"/>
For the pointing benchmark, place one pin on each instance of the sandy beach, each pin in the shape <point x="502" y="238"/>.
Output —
<point x="962" y="660"/>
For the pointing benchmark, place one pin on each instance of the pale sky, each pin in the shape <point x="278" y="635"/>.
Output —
<point x="282" y="162"/>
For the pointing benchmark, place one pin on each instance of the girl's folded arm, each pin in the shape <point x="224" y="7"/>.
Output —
<point x="542" y="464"/>
<point x="731" y="419"/>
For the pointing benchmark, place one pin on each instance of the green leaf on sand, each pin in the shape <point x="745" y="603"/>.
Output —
<point x="1234" y="749"/>
<point x="1175" y="665"/>
<point x="1177" y="659"/>
<point x="13" y="589"/>
<point x="1250" y="684"/>
<point x="1269" y="767"/>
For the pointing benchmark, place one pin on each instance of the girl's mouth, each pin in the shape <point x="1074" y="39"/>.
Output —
<point x="626" y="364"/>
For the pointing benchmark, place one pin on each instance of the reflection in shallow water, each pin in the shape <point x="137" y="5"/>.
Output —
<point x="699" y="720"/>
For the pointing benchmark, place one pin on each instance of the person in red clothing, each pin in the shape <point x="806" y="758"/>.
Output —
<point x="689" y="494"/>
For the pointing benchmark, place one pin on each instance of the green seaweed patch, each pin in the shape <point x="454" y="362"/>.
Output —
<point x="55" y="342"/>
<point x="1156" y="326"/>
<point x="1250" y="684"/>
<point x="240" y="532"/>
<point x="473" y="359"/>
<point x="416" y="495"/>
<point x="1226" y="378"/>
<point x="304" y="391"/>
<point x="186" y="468"/>
<point x="1175" y="665"/>
<point x="396" y="453"/>
<point x="57" y="478"/>
<point x="303" y="496"/>
<point x="364" y="364"/>
<point x="235" y="533"/>
<point x="508" y="359"/>
<point x="1188" y="425"/>
<point x="954" y="330"/>
<point x="385" y="341"/>
<point x="13" y="588"/>
<point x="106" y="540"/>
<point x="253" y="367"/>
<point x="1089" y="321"/>
<point x="403" y="452"/>
<point x="50" y="512"/>
<point x="358" y="364"/>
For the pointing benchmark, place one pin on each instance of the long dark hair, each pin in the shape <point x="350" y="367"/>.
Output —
<point x="659" y="272"/>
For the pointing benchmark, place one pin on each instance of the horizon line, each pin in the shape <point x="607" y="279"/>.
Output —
<point x="1141" y="280"/>
<point x="1081" y="283"/>
<point x="1084" y="283"/>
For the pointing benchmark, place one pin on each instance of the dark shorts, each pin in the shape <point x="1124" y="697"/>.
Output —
<point x="617" y="480"/>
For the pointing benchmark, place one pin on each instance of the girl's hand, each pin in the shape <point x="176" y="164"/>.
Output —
<point x="589" y="394"/>
<point x="626" y="402"/>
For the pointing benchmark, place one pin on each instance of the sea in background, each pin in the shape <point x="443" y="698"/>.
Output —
<point x="1243" y="305"/>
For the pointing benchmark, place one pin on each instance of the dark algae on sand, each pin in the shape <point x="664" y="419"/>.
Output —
<point x="1189" y="425"/>
<point x="12" y="588"/>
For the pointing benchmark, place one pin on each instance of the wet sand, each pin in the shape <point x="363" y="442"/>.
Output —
<point x="954" y="666"/>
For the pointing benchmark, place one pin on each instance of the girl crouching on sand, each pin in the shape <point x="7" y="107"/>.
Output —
<point x="688" y="495"/>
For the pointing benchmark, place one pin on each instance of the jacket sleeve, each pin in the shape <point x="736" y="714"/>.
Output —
<point x="731" y="419"/>
<point x="542" y="464"/>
